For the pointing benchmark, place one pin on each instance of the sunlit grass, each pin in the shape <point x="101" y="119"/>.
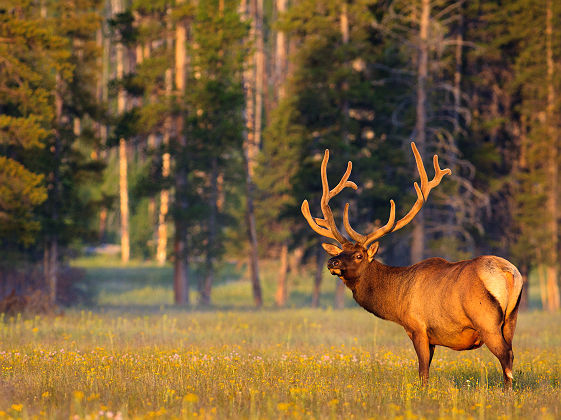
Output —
<point x="262" y="364"/>
<point x="137" y="356"/>
<point x="145" y="285"/>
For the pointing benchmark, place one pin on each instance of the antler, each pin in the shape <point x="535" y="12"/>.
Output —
<point x="326" y="226"/>
<point x="422" y="195"/>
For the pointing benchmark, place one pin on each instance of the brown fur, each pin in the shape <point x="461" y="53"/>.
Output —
<point x="460" y="305"/>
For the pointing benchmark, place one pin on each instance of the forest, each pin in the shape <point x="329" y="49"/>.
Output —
<point x="189" y="132"/>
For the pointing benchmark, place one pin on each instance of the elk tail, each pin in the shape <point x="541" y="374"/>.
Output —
<point x="514" y="286"/>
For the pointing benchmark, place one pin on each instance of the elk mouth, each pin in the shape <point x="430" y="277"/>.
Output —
<point x="336" y="271"/>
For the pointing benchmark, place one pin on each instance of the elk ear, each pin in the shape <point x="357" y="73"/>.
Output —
<point x="331" y="249"/>
<point x="372" y="251"/>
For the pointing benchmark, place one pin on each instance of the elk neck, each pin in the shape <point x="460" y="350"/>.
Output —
<point x="381" y="290"/>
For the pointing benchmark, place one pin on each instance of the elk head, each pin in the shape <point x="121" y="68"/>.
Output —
<point x="349" y="261"/>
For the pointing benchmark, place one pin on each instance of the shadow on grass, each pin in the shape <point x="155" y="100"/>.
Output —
<point x="472" y="377"/>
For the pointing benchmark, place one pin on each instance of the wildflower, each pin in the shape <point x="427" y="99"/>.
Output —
<point x="17" y="407"/>
<point x="283" y="406"/>
<point x="190" y="398"/>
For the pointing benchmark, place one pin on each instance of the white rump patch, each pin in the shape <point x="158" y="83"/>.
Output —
<point x="496" y="285"/>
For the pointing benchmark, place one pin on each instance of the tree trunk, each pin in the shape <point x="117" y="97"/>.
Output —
<point x="50" y="257"/>
<point x="281" y="294"/>
<point x="542" y="280"/>
<point x="161" y="249"/>
<point x="123" y="181"/>
<point x="259" y="71"/>
<point x="320" y="268"/>
<point x="181" y="265"/>
<point x="344" y="27"/>
<point x="206" y="288"/>
<point x="124" y="201"/>
<point x="525" y="298"/>
<point x="553" y="303"/>
<point x="152" y="144"/>
<point x="53" y="269"/>
<point x="101" y="129"/>
<point x="251" y="148"/>
<point x="280" y="54"/>
<point x="418" y="236"/>
<point x="458" y="75"/>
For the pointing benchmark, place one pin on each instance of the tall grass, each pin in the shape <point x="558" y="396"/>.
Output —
<point x="298" y="363"/>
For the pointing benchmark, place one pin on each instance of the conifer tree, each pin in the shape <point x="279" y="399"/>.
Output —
<point x="25" y="116"/>
<point x="47" y="114"/>
<point x="537" y="196"/>
<point x="214" y="105"/>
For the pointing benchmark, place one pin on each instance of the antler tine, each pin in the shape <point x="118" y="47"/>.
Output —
<point x="327" y="226"/>
<point x="426" y="186"/>
<point x="344" y="182"/>
<point x="368" y="239"/>
<point x="438" y="174"/>
<point x="318" y="225"/>
<point x="422" y="195"/>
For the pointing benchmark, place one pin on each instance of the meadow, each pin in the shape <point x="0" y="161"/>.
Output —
<point x="136" y="356"/>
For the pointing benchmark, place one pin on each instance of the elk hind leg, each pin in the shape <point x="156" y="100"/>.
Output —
<point x="431" y="351"/>
<point x="510" y="323"/>
<point x="497" y="344"/>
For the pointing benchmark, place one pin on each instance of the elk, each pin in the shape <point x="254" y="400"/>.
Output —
<point x="461" y="305"/>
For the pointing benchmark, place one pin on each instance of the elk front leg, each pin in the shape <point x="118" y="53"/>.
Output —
<point x="424" y="352"/>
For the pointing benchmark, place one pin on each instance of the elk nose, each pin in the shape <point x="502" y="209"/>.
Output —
<point x="333" y="263"/>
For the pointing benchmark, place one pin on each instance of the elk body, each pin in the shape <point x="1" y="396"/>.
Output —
<point x="461" y="305"/>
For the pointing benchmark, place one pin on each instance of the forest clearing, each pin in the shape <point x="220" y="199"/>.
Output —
<point x="140" y="357"/>
<point x="161" y="174"/>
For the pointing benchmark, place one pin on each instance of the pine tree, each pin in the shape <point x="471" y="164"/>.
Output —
<point x="536" y="208"/>
<point x="214" y="105"/>
<point x="333" y="104"/>
<point x="47" y="115"/>
<point x="25" y="116"/>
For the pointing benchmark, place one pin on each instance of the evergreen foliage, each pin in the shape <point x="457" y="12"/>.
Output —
<point x="351" y="85"/>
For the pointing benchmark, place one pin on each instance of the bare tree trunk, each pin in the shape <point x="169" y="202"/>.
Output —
<point x="124" y="201"/>
<point x="344" y="24"/>
<point x="259" y="70"/>
<point x="458" y="76"/>
<point x="280" y="54"/>
<point x="123" y="181"/>
<point x="101" y="129"/>
<point x="181" y="265"/>
<point x="50" y="257"/>
<point x="320" y="268"/>
<point x="53" y="269"/>
<point x="206" y="288"/>
<point x="553" y="170"/>
<point x="161" y="249"/>
<point x="281" y="294"/>
<point x="525" y="298"/>
<point x="151" y="142"/>
<point x="251" y="148"/>
<point x="418" y="236"/>
<point x="542" y="280"/>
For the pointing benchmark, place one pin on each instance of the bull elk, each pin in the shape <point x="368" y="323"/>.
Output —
<point x="461" y="305"/>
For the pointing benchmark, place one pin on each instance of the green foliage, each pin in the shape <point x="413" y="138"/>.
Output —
<point x="44" y="163"/>
<point x="21" y="192"/>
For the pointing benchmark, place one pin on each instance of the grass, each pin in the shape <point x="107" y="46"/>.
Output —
<point x="146" y="359"/>
<point x="147" y="286"/>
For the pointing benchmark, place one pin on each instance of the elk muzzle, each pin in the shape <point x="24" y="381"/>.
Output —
<point x="335" y="266"/>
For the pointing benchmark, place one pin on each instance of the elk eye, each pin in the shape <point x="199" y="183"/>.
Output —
<point x="358" y="256"/>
